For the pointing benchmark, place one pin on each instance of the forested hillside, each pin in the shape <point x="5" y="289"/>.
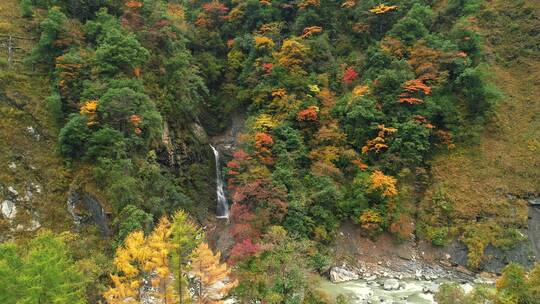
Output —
<point x="415" y="121"/>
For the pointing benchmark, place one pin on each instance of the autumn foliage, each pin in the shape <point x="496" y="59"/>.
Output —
<point x="383" y="8"/>
<point x="134" y="4"/>
<point x="309" y="114"/>
<point x="378" y="143"/>
<point x="262" y="42"/>
<point x="349" y="76"/>
<point x="309" y="3"/>
<point x="141" y="256"/>
<point x="412" y="90"/>
<point x="263" y="145"/>
<point x="308" y="31"/>
<point x="292" y="53"/>
<point x="208" y="270"/>
<point x="89" y="109"/>
<point x="243" y="250"/>
<point x="384" y="184"/>
<point x="215" y="7"/>
<point x="371" y="221"/>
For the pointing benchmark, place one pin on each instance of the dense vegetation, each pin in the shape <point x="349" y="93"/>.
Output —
<point x="347" y="102"/>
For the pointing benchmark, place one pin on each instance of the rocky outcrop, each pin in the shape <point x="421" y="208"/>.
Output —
<point x="16" y="207"/>
<point x="9" y="210"/>
<point x="495" y="259"/>
<point x="86" y="209"/>
<point x="227" y="141"/>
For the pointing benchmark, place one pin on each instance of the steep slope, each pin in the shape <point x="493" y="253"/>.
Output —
<point x="32" y="179"/>
<point x="486" y="182"/>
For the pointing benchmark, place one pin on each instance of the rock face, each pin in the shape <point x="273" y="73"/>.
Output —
<point x="86" y="209"/>
<point x="525" y="253"/>
<point x="391" y="284"/>
<point x="338" y="274"/>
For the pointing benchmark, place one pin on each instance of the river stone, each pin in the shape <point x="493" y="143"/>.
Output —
<point x="467" y="287"/>
<point x="338" y="275"/>
<point x="534" y="201"/>
<point x="368" y="277"/>
<point x="9" y="210"/>
<point x="391" y="284"/>
<point x="431" y="288"/>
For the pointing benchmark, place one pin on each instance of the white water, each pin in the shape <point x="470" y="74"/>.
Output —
<point x="362" y="292"/>
<point x="222" y="210"/>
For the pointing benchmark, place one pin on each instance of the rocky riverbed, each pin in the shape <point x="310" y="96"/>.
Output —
<point x="415" y="283"/>
<point x="386" y="290"/>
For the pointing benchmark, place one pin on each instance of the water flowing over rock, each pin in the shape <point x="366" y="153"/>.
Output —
<point x="222" y="209"/>
<point x="391" y="284"/>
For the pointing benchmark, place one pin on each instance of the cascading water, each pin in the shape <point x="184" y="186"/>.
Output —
<point x="222" y="204"/>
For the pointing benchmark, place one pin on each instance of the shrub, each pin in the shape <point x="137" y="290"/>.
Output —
<point x="73" y="136"/>
<point x="438" y="235"/>
<point x="27" y="8"/>
<point x="371" y="220"/>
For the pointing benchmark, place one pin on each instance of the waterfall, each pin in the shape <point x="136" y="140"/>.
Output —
<point x="222" y="205"/>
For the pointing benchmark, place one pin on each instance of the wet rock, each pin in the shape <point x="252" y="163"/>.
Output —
<point x="199" y="132"/>
<point x="338" y="274"/>
<point x="9" y="210"/>
<point x="534" y="201"/>
<point x="391" y="284"/>
<point x="369" y="277"/>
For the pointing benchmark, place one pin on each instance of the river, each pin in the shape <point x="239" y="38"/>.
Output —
<point x="364" y="292"/>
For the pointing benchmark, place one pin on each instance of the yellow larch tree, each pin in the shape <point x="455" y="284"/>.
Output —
<point x="128" y="281"/>
<point x="157" y="264"/>
<point x="206" y="267"/>
<point x="141" y="258"/>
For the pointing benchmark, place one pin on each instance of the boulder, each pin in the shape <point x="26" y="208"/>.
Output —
<point x="431" y="288"/>
<point x="9" y="210"/>
<point x="338" y="274"/>
<point x="391" y="284"/>
<point x="369" y="277"/>
<point x="535" y="201"/>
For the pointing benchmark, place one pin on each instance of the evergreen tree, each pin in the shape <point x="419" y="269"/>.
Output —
<point x="48" y="274"/>
<point x="10" y="264"/>
<point x="185" y="237"/>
